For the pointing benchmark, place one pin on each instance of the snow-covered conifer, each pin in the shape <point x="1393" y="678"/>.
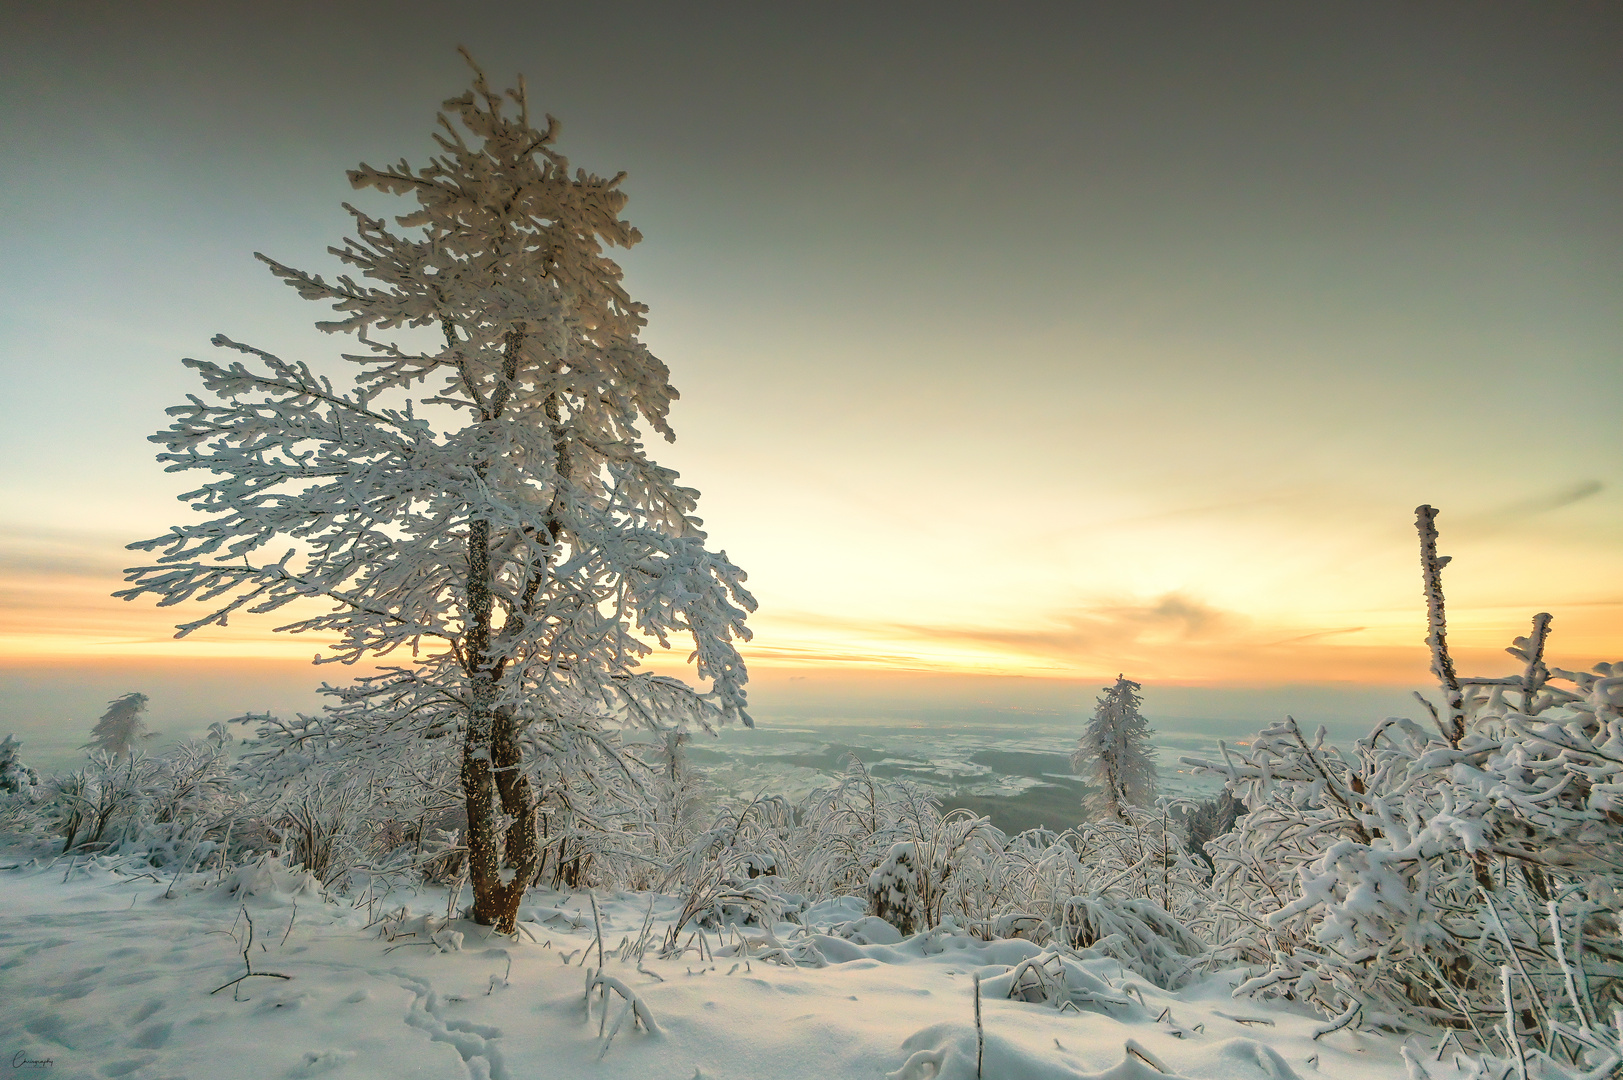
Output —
<point x="1114" y="754"/>
<point x="679" y="787"/>
<point x="16" y="778"/>
<point x="120" y="727"/>
<point x="893" y="889"/>
<point x="507" y="527"/>
<point x="1209" y="820"/>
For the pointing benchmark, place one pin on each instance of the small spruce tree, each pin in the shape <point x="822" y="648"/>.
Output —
<point x="1114" y="754"/>
<point x="120" y="727"/>
<point x="16" y="778"/>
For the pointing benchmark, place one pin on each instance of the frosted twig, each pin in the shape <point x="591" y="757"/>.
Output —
<point x="249" y="973"/>
<point x="1136" y="1049"/>
<point x="1586" y="1019"/>
<point x="634" y="1007"/>
<point x="1339" y="1022"/>
<point x="597" y="921"/>
<point x="1513" y="1043"/>
<point x="1252" y="1020"/>
<point x="980" y="1034"/>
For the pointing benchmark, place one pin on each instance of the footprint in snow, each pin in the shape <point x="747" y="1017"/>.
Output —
<point x="317" y="1062"/>
<point x="144" y="1013"/>
<point x="153" y="1037"/>
<point x="131" y="979"/>
<point x="51" y="1027"/>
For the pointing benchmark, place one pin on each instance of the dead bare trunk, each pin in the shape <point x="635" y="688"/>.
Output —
<point x="1442" y="665"/>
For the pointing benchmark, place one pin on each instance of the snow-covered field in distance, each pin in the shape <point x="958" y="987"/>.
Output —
<point x="1017" y="773"/>
<point x="1015" y="770"/>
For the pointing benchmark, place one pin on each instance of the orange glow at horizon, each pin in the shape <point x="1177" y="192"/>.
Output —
<point x="61" y="613"/>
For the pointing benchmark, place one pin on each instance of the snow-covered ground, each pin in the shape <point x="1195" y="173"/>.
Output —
<point x="107" y="971"/>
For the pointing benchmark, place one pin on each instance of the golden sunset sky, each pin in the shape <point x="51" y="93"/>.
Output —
<point x="1035" y="340"/>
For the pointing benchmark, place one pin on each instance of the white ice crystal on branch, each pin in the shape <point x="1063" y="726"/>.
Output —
<point x="509" y="527"/>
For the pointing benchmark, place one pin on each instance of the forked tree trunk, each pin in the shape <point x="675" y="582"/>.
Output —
<point x="501" y="863"/>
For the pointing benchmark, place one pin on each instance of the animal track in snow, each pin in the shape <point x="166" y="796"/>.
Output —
<point x="474" y="1043"/>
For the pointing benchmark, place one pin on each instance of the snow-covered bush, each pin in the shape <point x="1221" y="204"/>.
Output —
<point x="165" y="808"/>
<point x="1127" y="891"/>
<point x="86" y="804"/>
<point x="898" y="887"/>
<point x="849" y="829"/>
<point x="347" y="798"/>
<point x="1426" y="876"/>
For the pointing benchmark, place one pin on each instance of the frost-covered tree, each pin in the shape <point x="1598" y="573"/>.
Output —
<point x="1114" y="754"/>
<point x="679" y="791"/>
<point x="16" y="777"/>
<point x="1209" y="820"/>
<point x="120" y="727"/>
<point x="505" y="524"/>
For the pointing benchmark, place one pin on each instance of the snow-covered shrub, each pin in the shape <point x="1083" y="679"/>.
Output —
<point x="1058" y="979"/>
<point x="167" y="808"/>
<point x="897" y="887"/>
<point x="596" y="804"/>
<point x="847" y="830"/>
<point x="187" y="781"/>
<point x="1137" y="933"/>
<point x="86" y="804"/>
<point x="22" y="821"/>
<point x="324" y="824"/>
<point x="1399" y="883"/>
<point x="843" y="835"/>
<point x="1142" y="857"/>
<point x="268" y="878"/>
<point x="1127" y="891"/>
<point x="188" y="801"/>
<point x="678" y="802"/>
<point x="729" y="873"/>
<point x="350" y="797"/>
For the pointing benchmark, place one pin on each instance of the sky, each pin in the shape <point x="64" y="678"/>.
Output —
<point x="1019" y="345"/>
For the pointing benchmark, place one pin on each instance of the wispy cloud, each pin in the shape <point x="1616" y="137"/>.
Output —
<point x="1172" y="636"/>
<point x="1066" y="634"/>
<point x="1508" y="515"/>
<point x="1319" y="634"/>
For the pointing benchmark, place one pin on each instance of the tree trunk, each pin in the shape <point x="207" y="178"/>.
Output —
<point x="501" y="863"/>
<point x="479" y="791"/>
